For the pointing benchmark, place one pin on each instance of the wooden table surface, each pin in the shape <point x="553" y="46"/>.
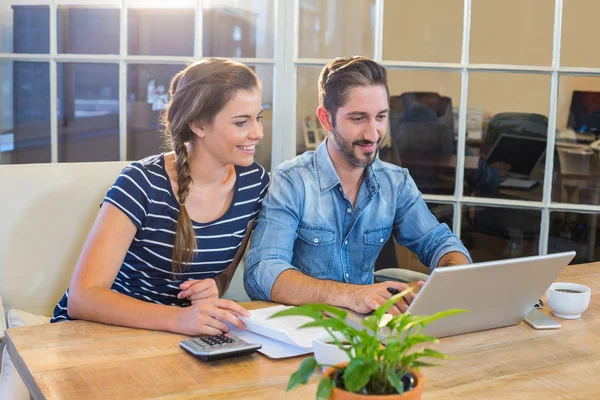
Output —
<point x="78" y="360"/>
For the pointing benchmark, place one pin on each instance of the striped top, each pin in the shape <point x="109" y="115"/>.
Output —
<point x="143" y="192"/>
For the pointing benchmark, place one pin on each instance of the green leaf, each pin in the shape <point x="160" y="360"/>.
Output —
<point x="326" y="385"/>
<point x="334" y="324"/>
<point x="390" y="302"/>
<point x="304" y="311"/>
<point x="395" y="380"/>
<point x="419" y="364"/>
<point x="330" y="309"/>
<point x="313" y="310"/>
<point x="442" y="314"/>
<point x="304" y="372"/>
<point x="358" y="373"/>
<point x="371" y="322"/>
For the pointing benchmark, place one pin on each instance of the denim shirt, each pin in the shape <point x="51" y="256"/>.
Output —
<point x="307" y="223"/>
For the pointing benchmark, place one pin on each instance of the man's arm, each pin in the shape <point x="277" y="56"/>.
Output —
<point x="453" y="258"/>
<point x="295" y="288"/>
<point x="416" y="228"/>
<point x="274" y="235"/>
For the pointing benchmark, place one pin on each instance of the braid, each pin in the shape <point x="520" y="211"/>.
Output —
<point x="185" y="236"/>
<point x="183" y="169"/>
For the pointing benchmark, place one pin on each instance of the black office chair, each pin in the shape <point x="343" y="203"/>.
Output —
<point x="421" y="129"/>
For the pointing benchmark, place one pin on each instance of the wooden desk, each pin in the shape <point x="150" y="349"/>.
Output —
<point x="77" y="360"/>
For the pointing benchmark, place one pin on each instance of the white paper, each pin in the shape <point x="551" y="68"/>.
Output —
<point x="270" y="348"/>
<point x="279" y="337"/>
<point x="283" y="329"/>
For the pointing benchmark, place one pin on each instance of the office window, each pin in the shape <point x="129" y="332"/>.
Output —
<point x="512" y="32"/>
<point x="147" y="97"/>
<point x="577" y="232"/>
<point x="238" y="28"/>
<point x="332" y="28"/>
<point x="514" y="87"/>
<point x="84" y="30"/>
<point x="576" y="165"/>
<point x="309" y="132"/>
<point x="425" y="30"/>
<point x="495" y="233"/>
<point x="24" y="28"/>
<point x="160" y="32"/>
<point x="24" y="112"/>
<point x="507" y="128"/>
<point x="88" y="112"/>
<point x="579" y="34"/>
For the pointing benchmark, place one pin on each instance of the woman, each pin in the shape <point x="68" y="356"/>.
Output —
<point x="173" y="228"/>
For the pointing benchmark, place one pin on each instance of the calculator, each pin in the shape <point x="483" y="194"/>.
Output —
<point x="209" y="348"/>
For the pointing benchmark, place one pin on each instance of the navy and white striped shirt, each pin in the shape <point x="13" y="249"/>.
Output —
<point x="143" y="192"/>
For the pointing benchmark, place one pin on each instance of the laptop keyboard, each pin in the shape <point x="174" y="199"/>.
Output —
<point x="518" y="183"/>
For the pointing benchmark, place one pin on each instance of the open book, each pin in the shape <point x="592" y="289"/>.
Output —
<point x="280" y="337"/>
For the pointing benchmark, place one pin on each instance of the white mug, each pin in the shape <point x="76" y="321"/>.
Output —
<point x="568" y="300"/>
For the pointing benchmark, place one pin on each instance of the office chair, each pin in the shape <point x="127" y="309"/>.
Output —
<point x="421" y="129"/>
<point x="398" y="275"/>
<point x="526" y="124"/>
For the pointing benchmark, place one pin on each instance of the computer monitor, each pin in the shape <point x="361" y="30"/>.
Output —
<point x="584" y="115"/>
<point x="523" y="153"/>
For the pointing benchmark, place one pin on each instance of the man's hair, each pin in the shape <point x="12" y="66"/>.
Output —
<point x="342" y="74"/>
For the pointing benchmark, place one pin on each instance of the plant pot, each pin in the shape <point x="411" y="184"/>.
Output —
<point x="414" y="394"/>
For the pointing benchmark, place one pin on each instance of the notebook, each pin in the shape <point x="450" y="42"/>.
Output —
<point x="280" y="337"/>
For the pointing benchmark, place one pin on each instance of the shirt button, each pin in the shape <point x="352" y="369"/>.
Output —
<point x="349" y="210"/>
<point x="381" y="240"/>
<point x="316" y="240"/>
<point x="347" y="275"/>
<point x="346" y="242"/>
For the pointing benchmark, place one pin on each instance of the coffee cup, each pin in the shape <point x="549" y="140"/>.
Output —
<point x="327" y="352"/>
<point x="568" y="300"/>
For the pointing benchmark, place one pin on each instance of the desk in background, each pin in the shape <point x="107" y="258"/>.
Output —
<point x="83" y="359"/>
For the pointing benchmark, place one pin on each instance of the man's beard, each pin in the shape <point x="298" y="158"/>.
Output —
<point x="347" y="150"/>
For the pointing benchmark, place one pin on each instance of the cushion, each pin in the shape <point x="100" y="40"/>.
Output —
<point x="11" y="385"/>
<point x="2" y="323"/>
<point x="400" y="275"/>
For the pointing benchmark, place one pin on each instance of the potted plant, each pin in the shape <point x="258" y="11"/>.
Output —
<point x="375" y="370"/>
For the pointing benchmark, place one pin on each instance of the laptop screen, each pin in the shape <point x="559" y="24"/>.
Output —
<point x="521" y="152"/>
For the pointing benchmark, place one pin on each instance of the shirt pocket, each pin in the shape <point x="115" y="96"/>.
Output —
<point x="374" y="239"/>
<point x="314" y="250"/>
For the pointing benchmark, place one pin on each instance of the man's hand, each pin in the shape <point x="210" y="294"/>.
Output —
<point x="199" y="289"/>
<point x="367" y="298"/>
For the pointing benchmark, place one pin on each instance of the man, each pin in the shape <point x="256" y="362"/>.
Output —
<point x="329" y="212"/>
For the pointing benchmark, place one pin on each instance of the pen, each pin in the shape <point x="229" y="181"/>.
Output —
<point x="393" y="291"/>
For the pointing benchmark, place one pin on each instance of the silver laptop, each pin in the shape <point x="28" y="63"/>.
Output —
<point x="523" y="153"/>
<point x="496" y="293"/>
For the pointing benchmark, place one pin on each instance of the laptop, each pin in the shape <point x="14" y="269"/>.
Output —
<point x="523" y="153"/>
<point x="496" y="293"/>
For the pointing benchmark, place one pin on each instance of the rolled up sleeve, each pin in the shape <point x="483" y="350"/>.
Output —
<point x="416" y="228"/>
<point x="273" y="238"/>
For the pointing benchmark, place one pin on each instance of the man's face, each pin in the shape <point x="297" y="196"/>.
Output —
<point x="361" y="125"/>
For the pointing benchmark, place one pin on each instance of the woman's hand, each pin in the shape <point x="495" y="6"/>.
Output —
<point x="209" y="317"/>
<point x="198" y="290"/>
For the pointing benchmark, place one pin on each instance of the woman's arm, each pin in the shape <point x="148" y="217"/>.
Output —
<point x="91" y="298"/>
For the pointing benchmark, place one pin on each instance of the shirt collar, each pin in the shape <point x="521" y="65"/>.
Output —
<point x="328" y="177"/>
